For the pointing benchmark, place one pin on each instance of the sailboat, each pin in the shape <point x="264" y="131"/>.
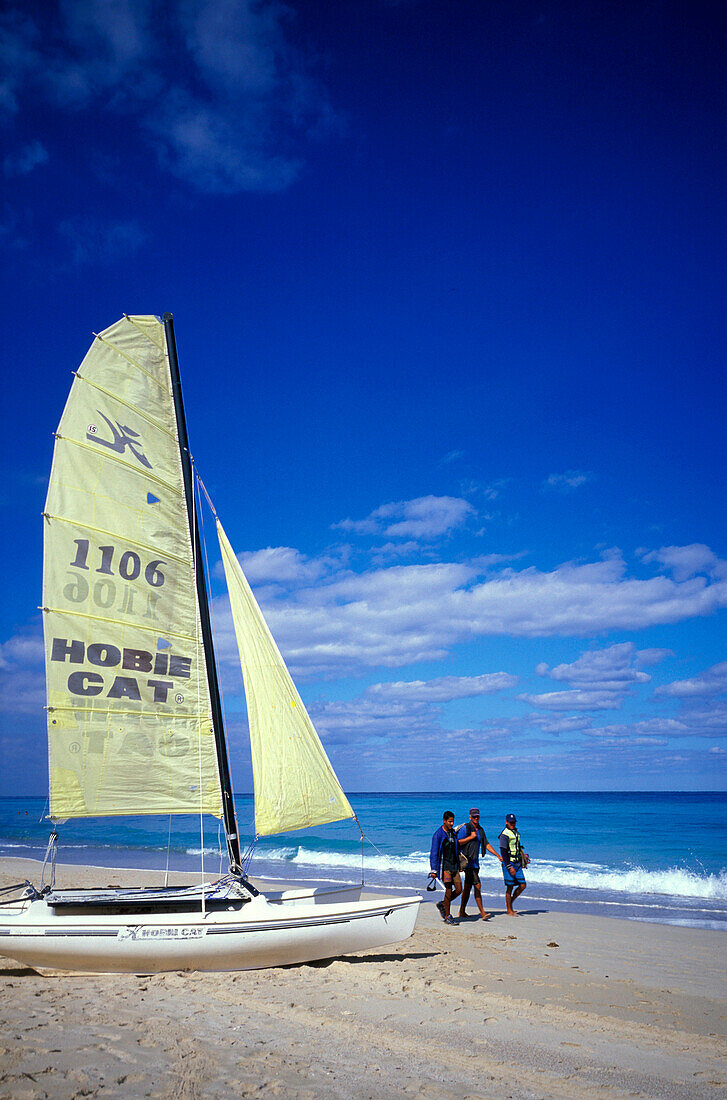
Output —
<point x="134" y="713"/>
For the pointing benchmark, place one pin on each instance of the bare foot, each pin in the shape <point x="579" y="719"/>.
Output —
<point x="485" y="916"/>
<point x="512" y="913"/>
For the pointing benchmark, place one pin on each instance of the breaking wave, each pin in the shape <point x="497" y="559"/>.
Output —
<point x="671" y="881"/>
<point x="679" y="882"/>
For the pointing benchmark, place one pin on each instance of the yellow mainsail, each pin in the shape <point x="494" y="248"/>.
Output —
<point x="295" y="785"/>
<point x="129" y="720"/>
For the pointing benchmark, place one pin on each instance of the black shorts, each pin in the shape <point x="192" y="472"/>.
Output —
<point x="471" y="876"/>
<point x="450" y="869"/>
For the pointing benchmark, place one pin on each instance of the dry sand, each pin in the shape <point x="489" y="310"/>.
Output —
<point x="544" y="1005"/>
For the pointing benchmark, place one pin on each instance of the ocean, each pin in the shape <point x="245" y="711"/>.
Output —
<point x="638" y="856"/>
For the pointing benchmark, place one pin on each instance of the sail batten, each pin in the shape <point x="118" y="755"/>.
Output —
<point x="146" y="476"/>
<point x="295" y="784"/>
<point x="188" y="638"/>
<point x="99" y="531"/>
<point x="129" y="712"/>
<point x="128" y="359"/>
<point x="134" y="408"/>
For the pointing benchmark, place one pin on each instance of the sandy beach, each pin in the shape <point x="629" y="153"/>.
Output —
<point x="544" y="1005"/>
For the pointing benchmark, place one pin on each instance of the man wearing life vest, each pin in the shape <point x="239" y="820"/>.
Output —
<point x="514" y="859"/>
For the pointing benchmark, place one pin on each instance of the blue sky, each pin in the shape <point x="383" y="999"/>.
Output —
<point x="449" y="283"/>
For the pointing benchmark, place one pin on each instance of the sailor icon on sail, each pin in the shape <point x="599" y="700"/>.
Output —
<point x="124" y="437"/>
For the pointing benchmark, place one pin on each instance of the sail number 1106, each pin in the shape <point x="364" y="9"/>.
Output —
<point x="128" y="567"/>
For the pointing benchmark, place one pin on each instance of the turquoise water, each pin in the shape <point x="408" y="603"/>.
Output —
<point x="641" y="856"/>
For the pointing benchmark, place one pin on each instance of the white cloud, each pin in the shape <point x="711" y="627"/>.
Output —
<point x="25" y="159"/>
<point x="18" y="57"/>
<point x="442" y="689"/>
<point x="108" y="43"/>
<point x="202" y="144"/>
<point x="710" y="721"/>
<point x="487" y="561"/>
<point x="422" y="518"/>
<point x="338" y="620"/>
<point x="93" y="240"/>
<point x="22" y="674"/>
<point x="493" y="490"/>
<point x="576" y="699"/>
<point x="601" y="678"/>
<point x="609" y="669"/>
<point x="280" y="565"/>
<point x="573" y="723"/>
<point x="565" y="483"/>
<point x="711" y="682"/>
<point x="21" y="649"/>
<point x="662" y="727"/>
<point x="653" y="656"/>
<point x="688" y="561"/>
<point x="231" y="123"/>
<point x="393" y="550"/>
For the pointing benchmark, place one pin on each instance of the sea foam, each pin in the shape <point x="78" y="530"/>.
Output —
<point x="670" y="881"/>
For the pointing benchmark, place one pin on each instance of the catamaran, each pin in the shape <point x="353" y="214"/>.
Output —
<point x="134" y="714"/>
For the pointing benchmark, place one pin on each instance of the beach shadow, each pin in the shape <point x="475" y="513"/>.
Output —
<point x="321" y="964"/>
<point x="19" y="972"/>
<point x="520" y="913"/>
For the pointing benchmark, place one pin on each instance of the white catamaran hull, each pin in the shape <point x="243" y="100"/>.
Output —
<point x="277" y="930"/>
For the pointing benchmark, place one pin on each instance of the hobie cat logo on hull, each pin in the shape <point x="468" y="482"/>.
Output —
<point x="123" y="437"/>
<point x="153" y="932"/>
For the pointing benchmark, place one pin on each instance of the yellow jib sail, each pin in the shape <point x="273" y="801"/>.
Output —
<point x="129" y="723"/>
<point x="295" y="785"/>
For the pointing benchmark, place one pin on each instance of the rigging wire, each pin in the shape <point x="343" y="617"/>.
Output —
<point x="365" y="836"/>
<point x="199" y="511"/>
<point x="363" y="877"/>
<point x="247" y="857"/>
<point x="169" y="845"/>
<point x="195" y="537"/>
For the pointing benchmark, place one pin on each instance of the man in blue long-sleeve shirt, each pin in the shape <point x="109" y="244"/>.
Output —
<point x="444" y="863"/>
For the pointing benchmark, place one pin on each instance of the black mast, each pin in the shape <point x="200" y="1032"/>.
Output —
<point x="228" y="803"/>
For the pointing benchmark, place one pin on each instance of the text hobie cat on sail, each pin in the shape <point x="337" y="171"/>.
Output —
<point x="134" y="714"/>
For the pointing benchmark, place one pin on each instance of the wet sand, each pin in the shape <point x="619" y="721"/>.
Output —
<point x="542" y="1005"/>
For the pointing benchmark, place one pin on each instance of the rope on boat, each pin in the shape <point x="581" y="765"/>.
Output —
<point x="219" y="846"/>
<point x="50" y="853"/>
